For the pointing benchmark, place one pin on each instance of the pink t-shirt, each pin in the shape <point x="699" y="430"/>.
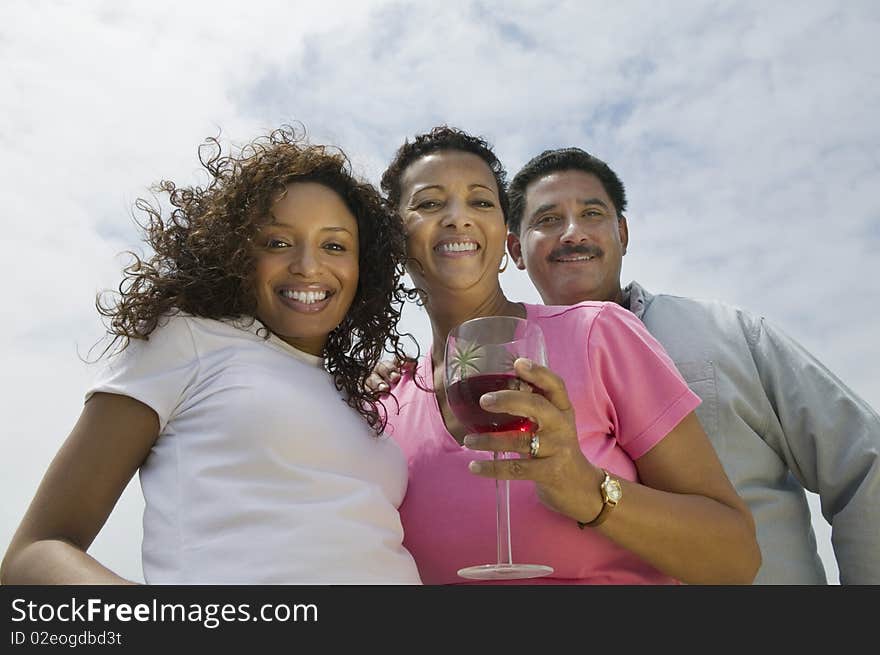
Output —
<point x="627" y="396"/>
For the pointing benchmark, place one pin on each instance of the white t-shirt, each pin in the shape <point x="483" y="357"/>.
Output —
<point x="261" y="473"/>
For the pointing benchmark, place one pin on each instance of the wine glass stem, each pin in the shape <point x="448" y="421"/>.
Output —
<point x="502" y="516"/>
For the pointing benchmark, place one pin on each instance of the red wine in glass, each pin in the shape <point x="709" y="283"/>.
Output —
<point x="464" y="400"/>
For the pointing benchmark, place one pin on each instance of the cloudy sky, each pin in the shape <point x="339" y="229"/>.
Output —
<point x="746" y="133"/>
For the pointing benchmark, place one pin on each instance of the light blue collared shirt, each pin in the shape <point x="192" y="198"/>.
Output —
<point x="780" y="422"/>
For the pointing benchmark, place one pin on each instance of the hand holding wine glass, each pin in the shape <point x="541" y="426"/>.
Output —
<point x="480" y="354"/>
<point x="565" y="480"/>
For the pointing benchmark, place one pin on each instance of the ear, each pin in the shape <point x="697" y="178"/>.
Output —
<point x="623" y="230"/>
<point x="514" y="248"/>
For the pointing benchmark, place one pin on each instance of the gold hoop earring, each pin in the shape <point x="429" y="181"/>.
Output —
<point x="504" y="266"/>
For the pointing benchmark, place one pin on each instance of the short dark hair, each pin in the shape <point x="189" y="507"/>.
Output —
<point x="440" y="138"/>
<point x="553" y="161"/>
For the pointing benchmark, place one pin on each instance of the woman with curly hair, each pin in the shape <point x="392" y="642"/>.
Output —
<point x="237" y="390"/>
<point x="624" y="487"/>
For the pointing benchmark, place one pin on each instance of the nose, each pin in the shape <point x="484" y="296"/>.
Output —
<point x="456" y="214"/>
<point x="303" y="260"/>
<point x="574" y="231"/>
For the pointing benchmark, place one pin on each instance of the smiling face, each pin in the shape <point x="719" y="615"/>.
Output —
<point x="571" y="239"/>
<point x="306" y="273"/>
<point x="454" y="223"/>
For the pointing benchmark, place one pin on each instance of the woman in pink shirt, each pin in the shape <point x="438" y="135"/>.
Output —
<point x="614" y="409"/>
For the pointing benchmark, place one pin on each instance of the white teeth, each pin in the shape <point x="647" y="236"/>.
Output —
<point x="307" y="297"/>
<point x="458" y="247"/>
<point x="582" y="258"/>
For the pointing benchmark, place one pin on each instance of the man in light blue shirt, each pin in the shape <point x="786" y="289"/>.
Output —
<point x="780" y="421"/>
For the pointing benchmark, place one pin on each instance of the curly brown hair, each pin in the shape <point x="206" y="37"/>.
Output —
<point x="204" y="257"/>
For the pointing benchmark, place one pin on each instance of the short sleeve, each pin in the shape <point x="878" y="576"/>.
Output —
<point x="636" y="382"/>
<point x="156" y="371"/>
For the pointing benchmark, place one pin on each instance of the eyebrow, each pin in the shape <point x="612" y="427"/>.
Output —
<point x="333" y="228"/>
<point x="425" y="188"/>
<point x="586" y="202"/>
<point x="440" y="186"/>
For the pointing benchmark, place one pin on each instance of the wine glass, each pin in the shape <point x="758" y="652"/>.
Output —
<point x="479" y="359"/>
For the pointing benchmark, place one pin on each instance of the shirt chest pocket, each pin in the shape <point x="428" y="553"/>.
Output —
<point x="700" y="377"/>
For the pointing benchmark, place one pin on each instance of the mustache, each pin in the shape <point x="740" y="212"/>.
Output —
<point x="565" y="251"/>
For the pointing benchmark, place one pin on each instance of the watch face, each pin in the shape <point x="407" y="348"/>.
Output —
<point x="613" y="491"/>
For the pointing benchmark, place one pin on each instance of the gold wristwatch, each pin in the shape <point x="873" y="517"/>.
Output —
<point x="611" y="495"/>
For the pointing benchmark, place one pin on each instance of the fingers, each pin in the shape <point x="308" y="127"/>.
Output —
<point x="508" y="469"/>
<point x="552" y="386"/>
<point x="388" y="370"/>
<point x="500" y="442"/>
<point x="520" y="403"/>
<point x="375" y="383"/>
<point x="384" y="376"/>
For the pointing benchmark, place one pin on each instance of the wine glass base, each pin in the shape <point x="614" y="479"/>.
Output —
<point x="505" y="571"/>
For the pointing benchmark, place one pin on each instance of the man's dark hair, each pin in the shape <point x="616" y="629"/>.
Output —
<point x="554" y="161"/>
